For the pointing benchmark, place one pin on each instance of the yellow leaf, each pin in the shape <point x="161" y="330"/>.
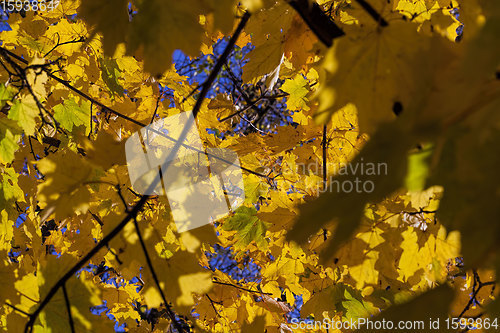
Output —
<point x="25" y="111"/>
<point x="105" y="151"/>
<point x="268" y="27"/>
<point x="378" y="71"/>
<point x="64" y="187"/>
<point x="432" y="304"/>
<point x="296" y="88"/>
<point x="111" y="18"/>
<point x="178" y="24"/>
<point x="9" y="138"/>
<point x="180" y="277"/>
<point x="264" y="59"/>
<point x="344" y="200"/>
<point x="6" y="231"/>
<point x="37" y="78"/>
<point x="193" y="283"/>
<point x="82" y="294"/>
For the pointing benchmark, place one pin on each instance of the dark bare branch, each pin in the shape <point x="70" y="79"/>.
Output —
<point x="317" y="20"/>
<point x="68" y="309"/>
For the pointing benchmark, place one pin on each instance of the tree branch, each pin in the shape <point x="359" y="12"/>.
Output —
<point x="316" y="19"/>
<point x="373" y="13"/>
<point x="68" y="308"/>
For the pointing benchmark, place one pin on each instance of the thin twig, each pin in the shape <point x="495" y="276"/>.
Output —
<point x="475" y="291"/>
<point x="241" y="288"/>
<point x="251" y="124"/>
<point x="21" y="73"/>
<point x="324" y="144"/>
<point x="157" y="106"/>
<point x="170" y="313"/>
<point x="80" y="40"/>
<point x="120" y="194"/>
<point x="17" y="309"/>
<point x="90" y="123"/>
<point x="246" y="108"/>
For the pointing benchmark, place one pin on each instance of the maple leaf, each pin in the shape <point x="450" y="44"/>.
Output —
<point x="97" y="14"/>
<point x="176" y="21"/>
<point x="110" y="75"/>
<point x="64" y="191"/>
<point x="248" y="226"/>
<point x="182" y="271"/>
<point x="6" y="93"/>
<point x="82" y="294"/>
<point x="349" y="208"/>
<point x="371" y="69"/>
<point x="433" y="304"/>
<point x="9" y="186"/>
<point x="7" y="274"/>
<point x="339" y="297"/>
<point x="25" y="111"/>
<point x="71" y="114"/>
<point x="297" y="93"/>
<point x="7" y="231"/>
<point x="268" y="27"/>
<point x="105" y="151"/>
<point x="9" y="137"/>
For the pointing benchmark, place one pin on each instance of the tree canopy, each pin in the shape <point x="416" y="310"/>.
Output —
<point x="366" y="131"/>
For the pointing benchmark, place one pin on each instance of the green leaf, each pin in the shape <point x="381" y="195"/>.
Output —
<point x="339" y="297"/>
<point x="248" y="226"/>
<point x="71" y="114"/>
<point x="110" y="75"/>
<point x="6" y="94"/>
<point x="354" y="305"/>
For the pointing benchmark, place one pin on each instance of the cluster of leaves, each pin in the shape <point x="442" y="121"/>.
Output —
<point x="259" y="107"/>
<point x="364" y="81"/>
